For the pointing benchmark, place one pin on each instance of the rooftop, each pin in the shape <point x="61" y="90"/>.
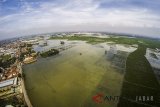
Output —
<point x="8" y="82"/>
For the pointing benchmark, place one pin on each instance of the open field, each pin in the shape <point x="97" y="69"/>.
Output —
<point x="139" y="77"/>
<point x="139" y="80"/>
<point x="150" y="43"/>
<point x="73" y="77"/>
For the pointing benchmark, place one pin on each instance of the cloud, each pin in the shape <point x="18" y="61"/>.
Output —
<point x="68" y="15"/>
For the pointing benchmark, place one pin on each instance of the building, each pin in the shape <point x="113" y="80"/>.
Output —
<point x="32" y="41"/>
<point x="9" y="73"/>
<point x="8" y="86"/>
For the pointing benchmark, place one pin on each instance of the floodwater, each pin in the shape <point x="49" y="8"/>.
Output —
<point x="72" y="78"/>
<point x="154" y="59"/>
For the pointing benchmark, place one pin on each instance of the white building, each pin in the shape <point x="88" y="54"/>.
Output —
<point x="8" y="84"/>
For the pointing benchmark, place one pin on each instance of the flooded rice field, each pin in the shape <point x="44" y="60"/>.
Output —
<point x="76" y="75"/>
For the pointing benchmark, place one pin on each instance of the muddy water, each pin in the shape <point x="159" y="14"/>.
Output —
<point x="71" y="79"/>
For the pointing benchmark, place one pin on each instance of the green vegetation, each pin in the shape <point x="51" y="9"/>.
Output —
<point x="15" y="101"/>
<point x="29" y="52"/>
<point x="5" y="57"/>
<point x="49" y="53"/>
<point x="6" y="61"/>
<point x="120" y="40"/>
<point x="25" y="45"/>
<point x="21" y="58"/>
<point x="29" y="45"/>
<point x="89" y="39"/>
<point x="139" y="80"/>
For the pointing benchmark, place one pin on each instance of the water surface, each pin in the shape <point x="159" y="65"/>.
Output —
<point x="72" y="78"/>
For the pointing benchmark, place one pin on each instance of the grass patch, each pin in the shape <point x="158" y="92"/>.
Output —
<point x="139" y="80"/>
<point x="150" y="43"/>
<point x="49" y="53"/>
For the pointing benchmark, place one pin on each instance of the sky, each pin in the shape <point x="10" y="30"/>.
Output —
<point x="26" y="17"/>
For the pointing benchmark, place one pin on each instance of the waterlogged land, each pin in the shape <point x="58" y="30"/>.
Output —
<point x="73" y="77"/>
<point x="150" y="43"/>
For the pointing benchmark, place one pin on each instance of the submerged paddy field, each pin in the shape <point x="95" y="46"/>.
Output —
<point x="70" y="79"/>
<point x="106" y="66"/>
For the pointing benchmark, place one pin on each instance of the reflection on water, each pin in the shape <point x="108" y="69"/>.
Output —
<point x="71" y="79"/>
<point x="51" y="44"/>
<point x="117" y="55"/>
<point x="154" y="59"/>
